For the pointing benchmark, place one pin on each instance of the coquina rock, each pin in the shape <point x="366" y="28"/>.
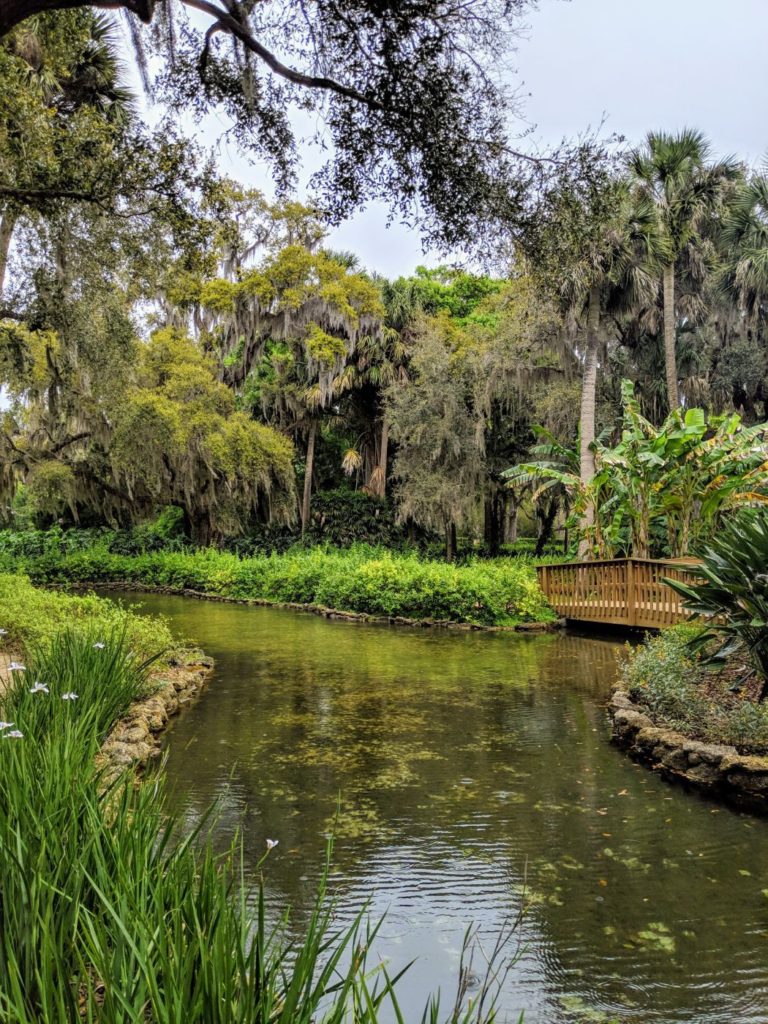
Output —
<point x="135" y="739"/>
<point x="718" y="769"/>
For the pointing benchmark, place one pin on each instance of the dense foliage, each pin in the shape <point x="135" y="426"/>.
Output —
<point x="169" y="337"/>
<point x="32" y="618"/>
<point x="362" y="579"/>
<point x="659" y="491"/>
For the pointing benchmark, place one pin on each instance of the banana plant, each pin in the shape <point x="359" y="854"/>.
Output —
<point x="659" y="491"/>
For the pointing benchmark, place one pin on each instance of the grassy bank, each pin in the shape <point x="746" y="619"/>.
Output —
<point x="362" y="579"/>
<point x="677" y="690"/>
<point x="31" y="618"/>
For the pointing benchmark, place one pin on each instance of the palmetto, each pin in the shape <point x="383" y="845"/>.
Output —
<point x="674" y="173"/>
<point x="732" y="595"/>
<point x="745" y="235"/>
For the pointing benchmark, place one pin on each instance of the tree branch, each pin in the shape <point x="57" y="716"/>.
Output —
<point x="227" y="23"/>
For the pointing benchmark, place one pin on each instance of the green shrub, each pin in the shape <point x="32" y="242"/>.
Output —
<point x="361" y="579"/>
<point x="672" y="680"/>
<point x="32" y="618"/>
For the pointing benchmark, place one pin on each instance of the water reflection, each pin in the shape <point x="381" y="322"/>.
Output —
<point x="459" y="771"/>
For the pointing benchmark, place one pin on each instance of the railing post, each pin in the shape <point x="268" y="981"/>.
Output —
<point x="631" y="595"/>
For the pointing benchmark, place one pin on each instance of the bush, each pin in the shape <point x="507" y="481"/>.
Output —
<point x="362" y="579"/>
<point x="32" y="618"/>
<point x="671" y="679"/>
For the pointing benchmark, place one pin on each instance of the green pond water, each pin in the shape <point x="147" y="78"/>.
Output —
<point x="473" y="771"/>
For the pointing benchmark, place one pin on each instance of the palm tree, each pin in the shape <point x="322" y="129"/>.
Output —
<point x="673" y="173"/>
<point x="745" y="235"/>
<point x="615" y="276"/>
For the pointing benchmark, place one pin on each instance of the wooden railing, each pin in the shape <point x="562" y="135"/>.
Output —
<point x="620" y="592"/>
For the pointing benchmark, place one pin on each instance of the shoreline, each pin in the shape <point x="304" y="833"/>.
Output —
<point x="313" y="609"/>
<point x="135" y="739"/>
<point x="716" y="769"/>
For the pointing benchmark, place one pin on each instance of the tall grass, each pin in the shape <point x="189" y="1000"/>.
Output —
<point x="110" y="914"/>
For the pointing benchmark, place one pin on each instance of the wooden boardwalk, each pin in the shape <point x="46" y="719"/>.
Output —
<point x="618" y="592"/>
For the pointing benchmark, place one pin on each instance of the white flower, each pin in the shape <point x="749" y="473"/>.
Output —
<point x="3" y="632"/>
<point x="272" y="843"/>
<point x="15" y="666"/>
<point x="14" y="734"/>
<point x="6" y="725"/>
<point x="39" y="687"/>
<point x="99" y="645"/>
<point x="69" y="696"/>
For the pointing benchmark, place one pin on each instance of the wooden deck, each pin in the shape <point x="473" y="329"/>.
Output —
<point x="619" y="592"/>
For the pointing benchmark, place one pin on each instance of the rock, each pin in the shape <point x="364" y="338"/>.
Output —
<point x="713" y="767"/>
<point x="133" y="734"/>
<point x="709" y="753"/>
<point x="133" y="740"/>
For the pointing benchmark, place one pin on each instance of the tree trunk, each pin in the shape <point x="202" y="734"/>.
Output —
<point x="670" y="356"/>
<point x="7" y="224"/>
<point x="588" y="403"/>
<point x="450" y="541"/>
<point x="546" y="515"/>
<point x="493" y="522"/>
<point x="510" y="521"/>
<point x="310" y="463"/>
<point x="380" y="489"/>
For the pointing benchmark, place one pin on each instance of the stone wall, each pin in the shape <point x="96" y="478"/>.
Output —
<point x="135" y="739"/>
<point x="715" y="768"/>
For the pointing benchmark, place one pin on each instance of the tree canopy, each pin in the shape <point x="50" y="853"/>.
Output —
<point x="408" y="99"/>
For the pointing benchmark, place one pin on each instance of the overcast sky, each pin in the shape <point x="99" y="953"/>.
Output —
<point x="638" y="64"/>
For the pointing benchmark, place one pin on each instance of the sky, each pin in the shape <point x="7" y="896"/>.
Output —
<point x="634" y="65"/>
<point x="638" y="64"/>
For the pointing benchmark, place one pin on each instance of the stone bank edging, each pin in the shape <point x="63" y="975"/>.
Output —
<point x="317" y="609"/>
<point x="135" y="739"/>
<point x="715" y="768"/>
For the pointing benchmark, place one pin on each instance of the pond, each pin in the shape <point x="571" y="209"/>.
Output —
<point x="462" y="774"/>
